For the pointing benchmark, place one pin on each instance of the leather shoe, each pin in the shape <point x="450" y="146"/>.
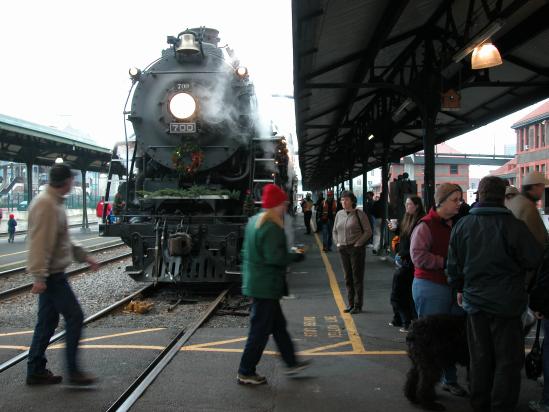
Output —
<point x="348" y="309"/>
<point x="454" y="388"/>
<point x="355" y="310"/>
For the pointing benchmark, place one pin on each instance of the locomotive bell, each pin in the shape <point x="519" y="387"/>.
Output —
<point x="187" y="45"/>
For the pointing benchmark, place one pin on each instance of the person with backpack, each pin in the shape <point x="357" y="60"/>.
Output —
<point x="351" y="232"/>
<point x="401" y="293"/>
<point x="329" y="210"/>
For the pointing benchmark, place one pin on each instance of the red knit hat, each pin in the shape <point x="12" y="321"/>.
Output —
<point x="272" y="196"/>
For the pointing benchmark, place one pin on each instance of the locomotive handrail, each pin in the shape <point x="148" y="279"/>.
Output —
<point x="183" y="72"/>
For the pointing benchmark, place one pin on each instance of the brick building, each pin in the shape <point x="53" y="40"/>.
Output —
<point x="445" y="169"/>
<point x="532" y="143"/>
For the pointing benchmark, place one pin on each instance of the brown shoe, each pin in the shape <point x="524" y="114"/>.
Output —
<point x="82" y="379"/>
<point x="46" y="377"/>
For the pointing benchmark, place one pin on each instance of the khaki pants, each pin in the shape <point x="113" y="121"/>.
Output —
<point x="352" y="259"/>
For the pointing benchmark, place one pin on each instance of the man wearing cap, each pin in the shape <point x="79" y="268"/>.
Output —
<point x="428" y="250"/>
<point x="265" y="258"/>
<point x="490" y="251"/>
<point x="524" y="207"/>
<point x="50" y="252"/>
<point x="329" y="210"/>
<point x="307" y="207"/>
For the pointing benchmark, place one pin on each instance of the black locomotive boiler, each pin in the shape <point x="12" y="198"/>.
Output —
<point x="197" y="166"/>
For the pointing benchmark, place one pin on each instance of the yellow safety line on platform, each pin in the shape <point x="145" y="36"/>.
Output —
<point x="350" y="326"/>
<point x="116" y="335"/>
<point x="25" y="332"/>
<point x="322" y="348"/>
<point x="385" y="352"/>
<point x="142" y="347"/>
<point x="217" y="343"/>
<point x="204" y="349"/>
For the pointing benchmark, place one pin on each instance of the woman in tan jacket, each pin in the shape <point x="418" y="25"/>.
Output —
<point x="350" y="233"/>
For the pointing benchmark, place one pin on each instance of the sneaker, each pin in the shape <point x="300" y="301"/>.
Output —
<point x="297" y="368"/>
<point x="348" y="309"/>
<point x="46" y="377"/>
<point x="538" y="406"/>
<point x="355" y="310"/>
<point x="254" y="379"/>
<point x="454" y="388"/>
<point x="82" y="379"/>
<point x="404" y="330"/>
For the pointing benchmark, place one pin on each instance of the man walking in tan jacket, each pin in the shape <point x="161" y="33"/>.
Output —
<point x="50" y="252"/>
<point x="523" y="206"/>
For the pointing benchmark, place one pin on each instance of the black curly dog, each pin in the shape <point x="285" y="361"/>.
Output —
<point x="434" y="343"/>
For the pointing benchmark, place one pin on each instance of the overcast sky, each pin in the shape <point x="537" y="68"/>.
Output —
<point x="66" y="62"/>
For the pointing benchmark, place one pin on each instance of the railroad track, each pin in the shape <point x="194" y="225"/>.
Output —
<point x="140" y="385"/>
<point x="58" y="336"/>
<point x="28" y="286"/>
<point x="22" y="268"/>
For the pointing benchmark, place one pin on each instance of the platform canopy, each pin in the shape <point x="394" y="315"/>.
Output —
<point x="371" y="77"/>
<point x="26" y="142"/>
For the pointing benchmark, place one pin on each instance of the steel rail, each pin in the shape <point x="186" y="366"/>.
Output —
<point x="58" y="336"/>
<point x="22" y="268"/>
<point x="13" y="291"/>
<point x="140" y="385"/>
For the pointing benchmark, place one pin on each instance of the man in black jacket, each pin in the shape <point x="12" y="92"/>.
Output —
<point x="490" y="251"/>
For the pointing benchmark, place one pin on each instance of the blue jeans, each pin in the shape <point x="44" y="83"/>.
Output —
<point x="57" y="299"/>
<point x="327" y="228"/>
<point x="432" y="298"/>
<point x="266" y="317"/>
<point x="545" y="348"/>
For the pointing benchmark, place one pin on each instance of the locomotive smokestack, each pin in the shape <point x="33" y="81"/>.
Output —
<point x="208" y="35"/>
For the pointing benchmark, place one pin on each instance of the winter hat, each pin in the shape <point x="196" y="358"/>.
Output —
<point x="11" y="216"/>
<point x="272" y="196"/>
<point x="444" y="191"/>
<point x="511" y="191"/>
<point x="534" y="178"/>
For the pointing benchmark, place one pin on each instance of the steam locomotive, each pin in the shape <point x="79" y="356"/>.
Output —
<point x="198" y="164"/>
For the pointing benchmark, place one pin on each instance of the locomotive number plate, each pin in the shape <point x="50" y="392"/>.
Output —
<point x="178" y="128"/>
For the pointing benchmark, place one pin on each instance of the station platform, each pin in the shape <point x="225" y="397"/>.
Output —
<point x="74" y="217"/>
<point x="358" y="361"/>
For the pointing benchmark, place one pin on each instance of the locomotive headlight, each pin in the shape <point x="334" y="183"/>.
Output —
<point x="242" y="71"/>
<point x="134" y="72"/>
<point x="182" y="105"/>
